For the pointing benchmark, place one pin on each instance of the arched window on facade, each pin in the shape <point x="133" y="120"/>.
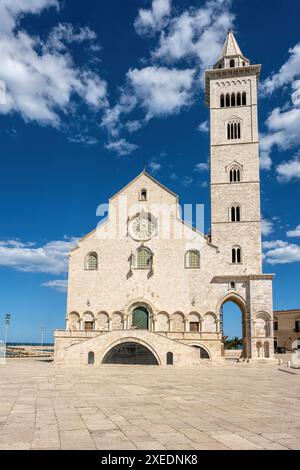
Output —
<point x="244" y="99"/>
<point x="222" y="101"/>
<point x="170" y="359"/>
<point x="91" y="358"/>
<point x="238" y="99"/>
<point x="236" y="255"/>
<point x="192" y="260"/>
<point x="92" y="262"/>
<point x="235" y="174"/>
<point x="232" y="63"/>
<point x="228" y="100"/>
<point x="143" y="195"/>
<point x="144" y="258"/>
<point x="233" y="101"/>
<point x="235" y="213"/>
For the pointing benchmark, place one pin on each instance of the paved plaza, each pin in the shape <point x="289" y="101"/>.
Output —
<point x="146" y="407"/>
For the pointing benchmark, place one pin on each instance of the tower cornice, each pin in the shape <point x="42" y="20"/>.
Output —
<point x="229" y="73"/>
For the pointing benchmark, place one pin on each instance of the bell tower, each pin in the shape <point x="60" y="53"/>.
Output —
<point x="231" y="95"/>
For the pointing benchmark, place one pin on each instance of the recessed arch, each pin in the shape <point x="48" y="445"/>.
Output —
<point x="89" y="321"/>
<point x="194" y="319"/>
<point x="74" y="321"/>
<point x="178" y="322"/>
<point x="162" y="322"/>
<point x="103" y="321"/>
<point x="203" y="351"/>
<point x="130" y="351"/>
<point x="117" y="321"/>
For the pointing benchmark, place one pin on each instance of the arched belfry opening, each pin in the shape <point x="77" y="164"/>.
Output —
<point x="233" y="326"/>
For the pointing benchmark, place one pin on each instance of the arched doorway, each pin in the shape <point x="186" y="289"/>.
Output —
<point x="233" y="327"/>
<point x="130" y="353"/>
<point x="140" y="318"/>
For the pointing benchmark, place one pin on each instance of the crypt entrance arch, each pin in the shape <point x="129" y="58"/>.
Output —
<point x="233" y="323"/>
<point x="130" y="353"/>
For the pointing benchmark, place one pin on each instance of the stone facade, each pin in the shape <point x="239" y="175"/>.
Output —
<point x="286" y="328"/>
<point x="144" y="276"/>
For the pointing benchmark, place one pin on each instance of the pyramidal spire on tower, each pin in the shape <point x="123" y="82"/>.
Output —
<point x="231" y="55"/>
<point x="231" y="47"/>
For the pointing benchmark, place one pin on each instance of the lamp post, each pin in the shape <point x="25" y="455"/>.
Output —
<point x="42" y="335"/>
<point x="7" y="323"/>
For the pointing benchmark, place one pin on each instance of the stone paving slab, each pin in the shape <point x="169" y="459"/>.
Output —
<point x="213" y="408"/>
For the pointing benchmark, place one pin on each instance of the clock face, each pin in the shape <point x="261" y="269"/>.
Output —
<point x="143" y="227"/>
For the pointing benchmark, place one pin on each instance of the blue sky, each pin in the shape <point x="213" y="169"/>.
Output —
<point x="91" y="94"/>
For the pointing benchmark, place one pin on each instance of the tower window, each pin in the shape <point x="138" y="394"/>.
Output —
<point x="232" y="285"/>
<point x="236" y="255"/>
<point x="227" y="100"/>
<point x="244" y="99"/>
<point x="235" y="175"/>
<point x="235" y="213"/>
<point x="222" y="101"/>
<point x="238" y="100"/>
<point x="232" y="63"/>
<point x="233" y="130"/>
<point x="233" y="99"/>
<point x="143" y="195"/>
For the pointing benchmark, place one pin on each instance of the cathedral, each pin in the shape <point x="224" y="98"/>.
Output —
<point x="147" y="288"/>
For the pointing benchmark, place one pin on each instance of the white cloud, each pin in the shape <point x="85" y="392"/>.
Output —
<point x="280" y="252"/>
<point x="133" y="126"/>
<point x="154" y="167"/>
<point x="157" y="91"/>
<point x="289" y="170"/>
<point x="201" y="167"/>
<point x="294" y="233"/>
<point x="12" y="10"/>
<point x="151" y="20"/>
<point x="283" y="123"/>
<point x="41" y="77"/>
<point x="65" y="33"/>
<point x="161" y="91"/>
<point x="267" y="227"/>
<point x="193" y="38"/>
<point x="286" y="74"/>
<point x="121" y="147"/>
<point x="196" y="33"/>
<point x="60" y="285"/>
<point x="187" y="181"/>
<point x="50" y="258"/>
<point x="203" y="127"/>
